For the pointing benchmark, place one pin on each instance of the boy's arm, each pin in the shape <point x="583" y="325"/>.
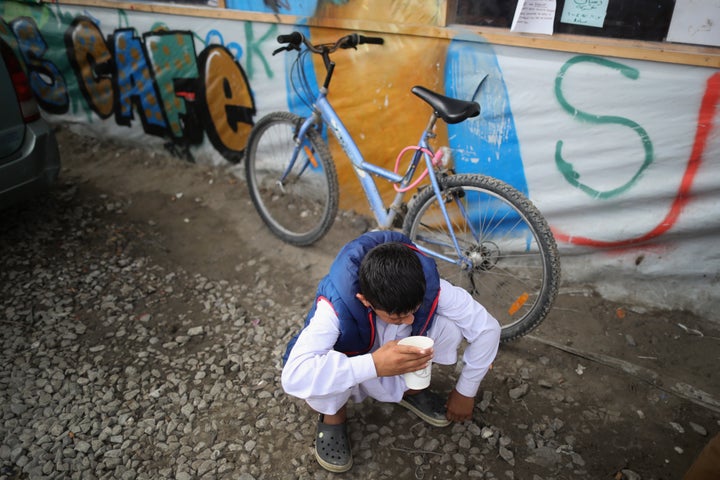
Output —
<point x="314" y="369"/>
<point x="479" y="328"/>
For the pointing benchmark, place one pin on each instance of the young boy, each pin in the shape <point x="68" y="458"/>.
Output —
<point x="381" y="289"/>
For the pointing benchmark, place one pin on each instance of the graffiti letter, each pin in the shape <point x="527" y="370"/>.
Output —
<point x="705" y="129"/>
<point x="46" y="81"/>
<point x="172" y="55"/>
<point x="566" y="168"/>
<point x="90" y="57"/>
<point x="228" y="101"/>
<point x="135" y="85"/>
<point x="254" y="49"/>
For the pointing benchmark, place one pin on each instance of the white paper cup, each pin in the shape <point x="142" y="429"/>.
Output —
<point x="418" y="379"/>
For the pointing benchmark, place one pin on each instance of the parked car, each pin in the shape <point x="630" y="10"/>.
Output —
<point x="29" y="155"/>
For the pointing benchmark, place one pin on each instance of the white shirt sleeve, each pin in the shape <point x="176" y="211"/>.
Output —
<point x="480" y="329"/>
<point x="314" y="369"/>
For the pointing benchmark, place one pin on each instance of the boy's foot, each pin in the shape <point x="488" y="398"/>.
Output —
<point x="332" y="447"/>
<point x="427" y="405"/>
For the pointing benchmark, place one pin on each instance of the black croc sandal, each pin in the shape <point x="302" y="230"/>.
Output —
<point x="332" y="447"/>
<point x="428" y="406"/>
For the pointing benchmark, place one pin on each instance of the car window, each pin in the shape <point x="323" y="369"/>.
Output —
<point x="12" y="127"/>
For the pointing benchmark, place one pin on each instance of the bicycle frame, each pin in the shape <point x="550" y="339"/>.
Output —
<point x="323" y="112"/>
<point x="500" y="241"/>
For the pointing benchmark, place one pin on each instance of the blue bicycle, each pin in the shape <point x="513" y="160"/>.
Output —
<point x="485" y="235"/>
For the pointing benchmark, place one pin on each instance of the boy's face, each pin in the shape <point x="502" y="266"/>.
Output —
<point x="394" y="318"/>
<point x="391" y="318"/>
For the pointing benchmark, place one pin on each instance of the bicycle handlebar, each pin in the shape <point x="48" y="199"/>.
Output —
<point x="370" y="40"/>
<point x="295" y="39"/>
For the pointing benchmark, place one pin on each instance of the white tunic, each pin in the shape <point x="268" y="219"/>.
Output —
<point x="326" y="379"/>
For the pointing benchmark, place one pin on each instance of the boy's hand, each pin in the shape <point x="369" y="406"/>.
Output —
<point x="459" y="407"/>
<point x="393" y="359"/>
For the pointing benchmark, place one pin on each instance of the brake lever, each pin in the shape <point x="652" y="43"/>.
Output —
<point x="287" y="47"/>
<point x="352" y="42"/>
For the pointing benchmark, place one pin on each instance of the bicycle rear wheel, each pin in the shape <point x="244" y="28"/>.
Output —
<point x="509" y="260"/>
<point x="297" y="202"/>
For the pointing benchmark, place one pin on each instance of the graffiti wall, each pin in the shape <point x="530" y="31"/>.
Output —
<point x="621" y="155"/>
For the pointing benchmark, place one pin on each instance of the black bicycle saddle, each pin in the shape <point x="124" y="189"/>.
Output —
<point x="449" y="109"/>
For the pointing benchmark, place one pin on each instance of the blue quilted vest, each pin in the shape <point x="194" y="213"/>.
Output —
<point x="357" y="322"/>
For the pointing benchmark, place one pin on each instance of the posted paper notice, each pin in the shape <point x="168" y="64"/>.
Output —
<point x="534" y="16"/>
<point x="585" y="12"/>
<point x="695" y="21"/>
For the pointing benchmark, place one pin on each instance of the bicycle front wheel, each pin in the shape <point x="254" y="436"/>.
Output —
<point x="508" y="258"/>
<point x="297" y="199"/>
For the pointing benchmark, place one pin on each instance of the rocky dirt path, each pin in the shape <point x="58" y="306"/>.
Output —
<point x="146" y="307"/>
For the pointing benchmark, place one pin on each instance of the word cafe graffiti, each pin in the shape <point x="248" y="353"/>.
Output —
<point x="176" y="92"/>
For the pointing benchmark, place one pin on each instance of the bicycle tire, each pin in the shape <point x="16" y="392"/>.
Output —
<point x="513" y="266"/>
<point x="302" y="209"/>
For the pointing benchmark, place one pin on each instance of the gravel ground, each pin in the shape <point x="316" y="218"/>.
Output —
<point x="119" y="362"/>
<point x="117" y="367"/>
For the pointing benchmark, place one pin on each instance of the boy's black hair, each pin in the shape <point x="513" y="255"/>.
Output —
<point x="392" y="278"/>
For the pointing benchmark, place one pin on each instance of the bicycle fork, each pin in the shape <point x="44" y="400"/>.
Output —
<point x="299" y="137"/>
